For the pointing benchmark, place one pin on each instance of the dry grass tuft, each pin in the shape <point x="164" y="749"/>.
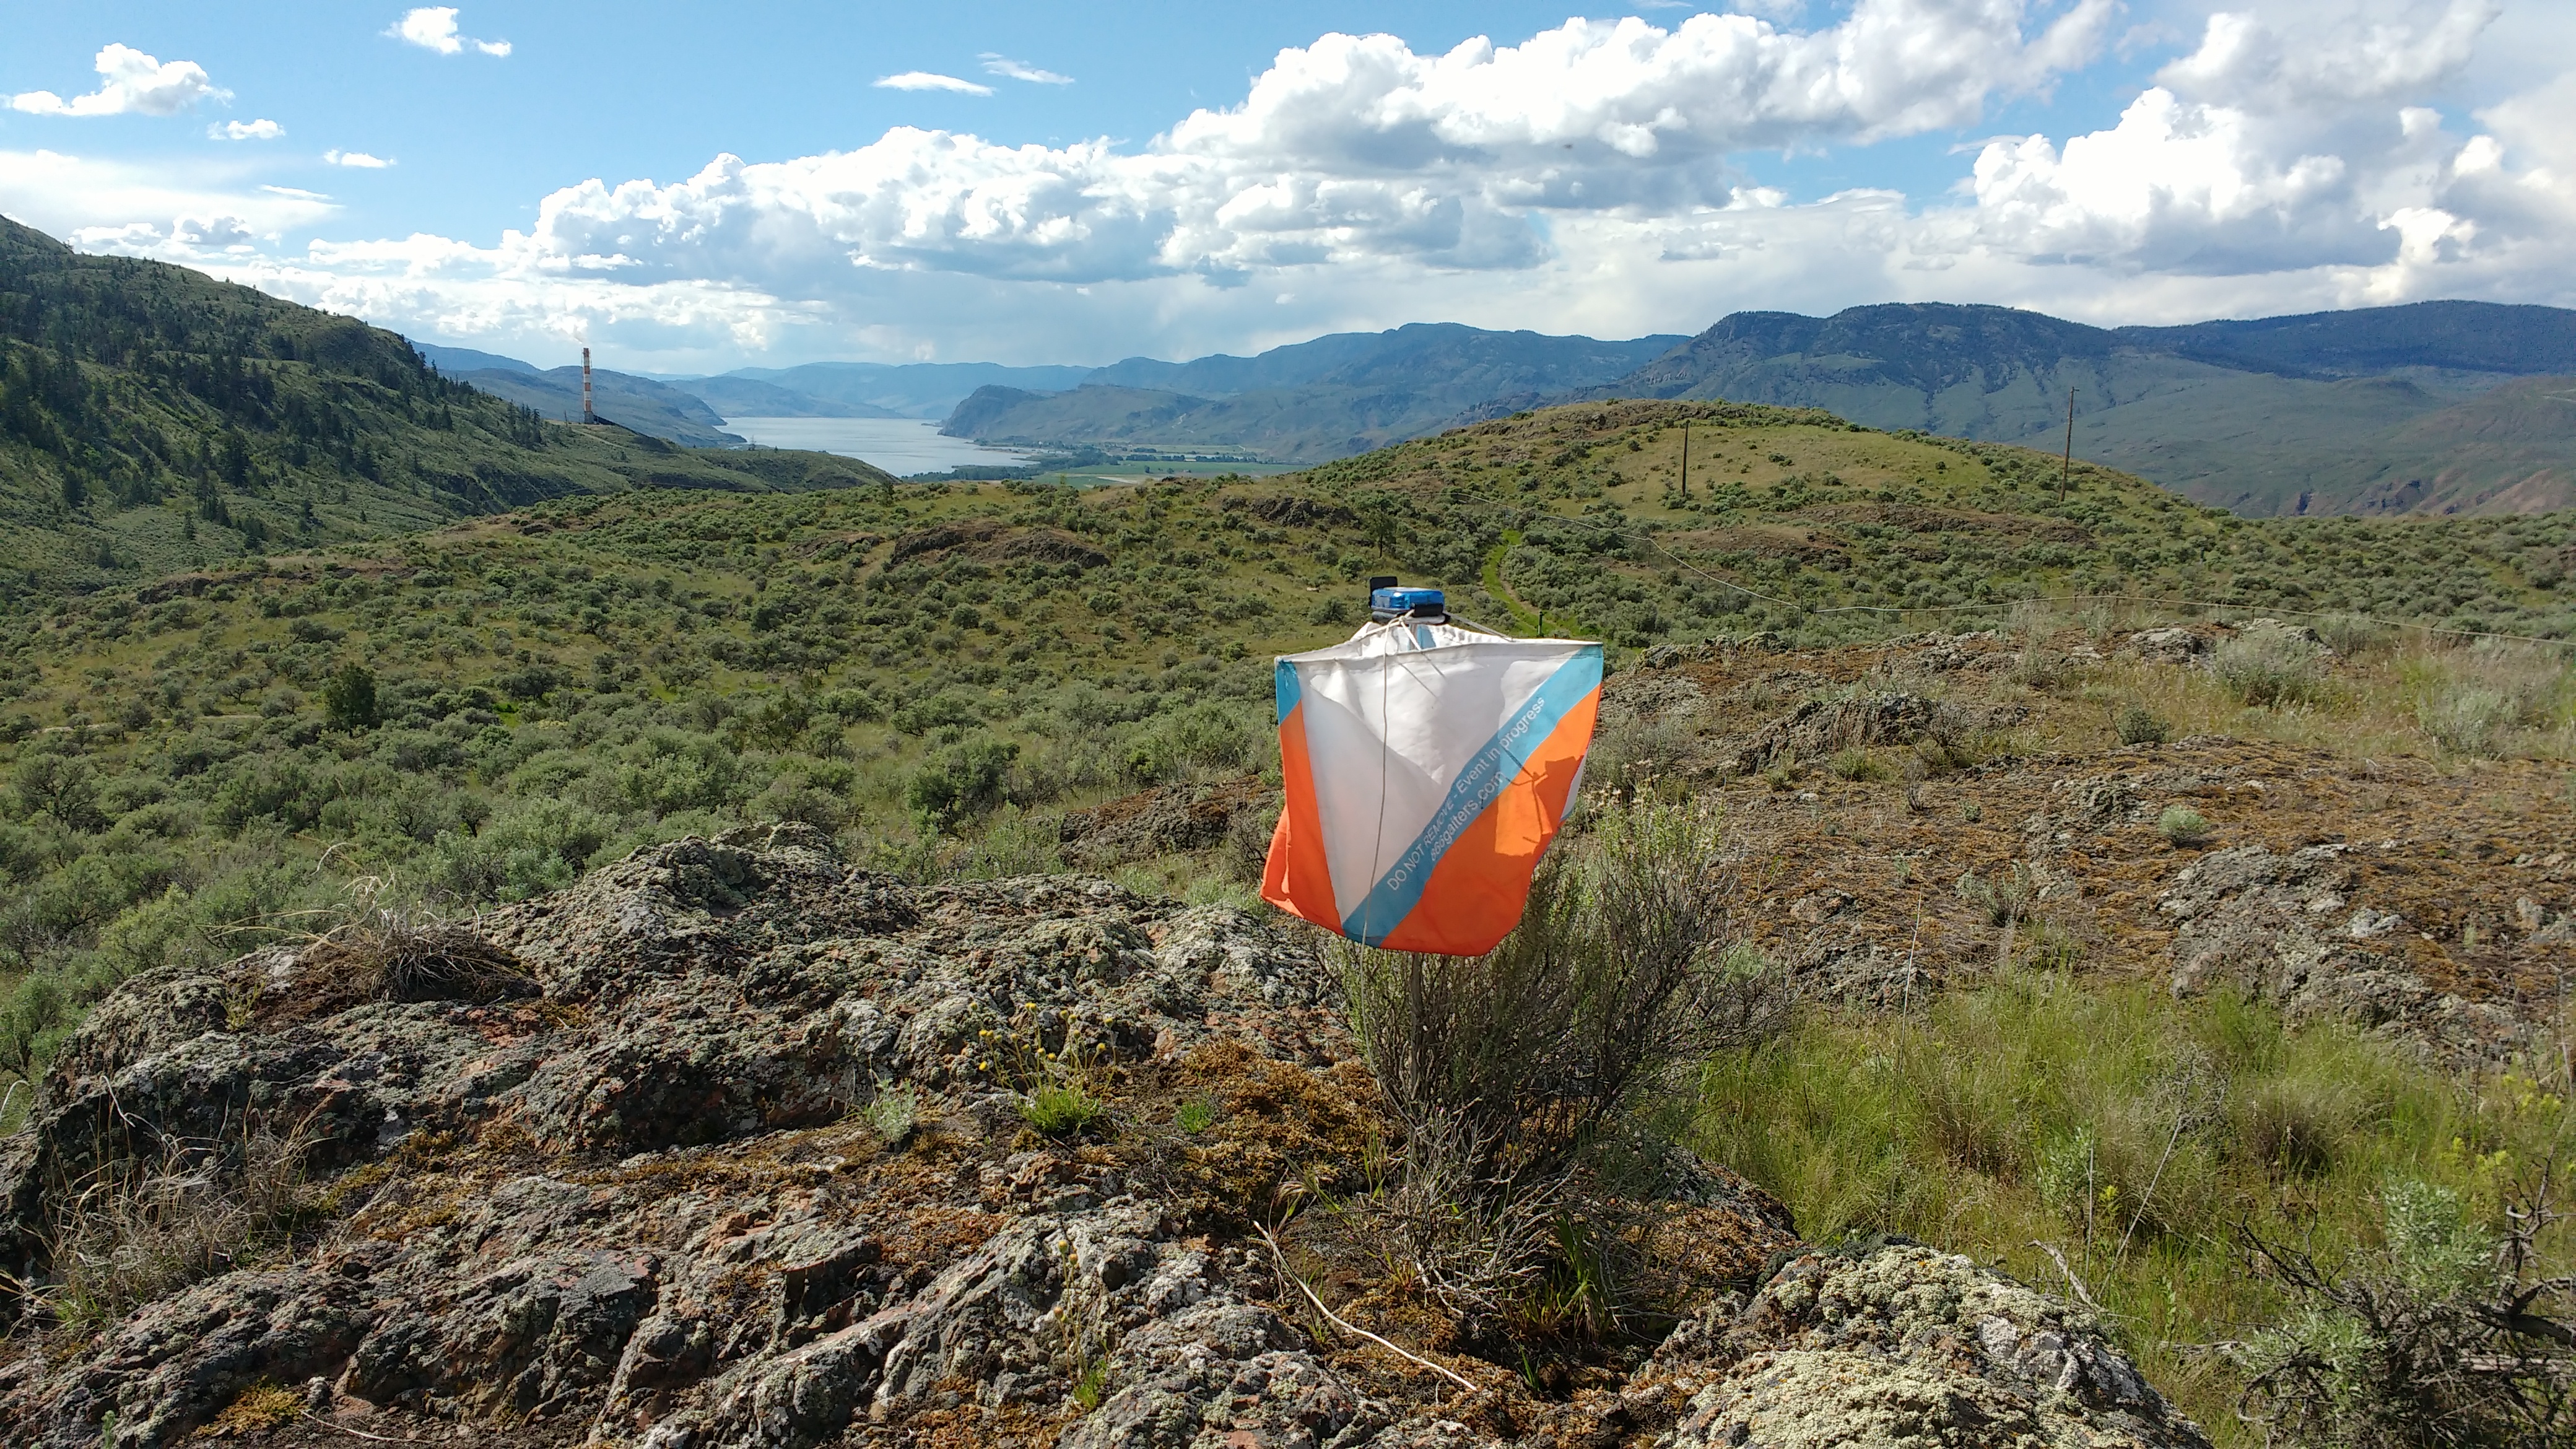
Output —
<point x="386" y="952"/>
<point x="141" y="1228"/>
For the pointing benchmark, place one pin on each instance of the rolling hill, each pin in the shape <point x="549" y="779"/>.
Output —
<point x="911" y="390"/>
<point x="745" y="397"/>
<point x="153" y="419"/>
<point x="454" y="360"/>
<point x="638" y="403"/>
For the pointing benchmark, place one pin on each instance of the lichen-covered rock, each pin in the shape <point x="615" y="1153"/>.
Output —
<point x="1234" y="1363"/>
<point x="2282" y="928"/>
<point x="637" y="1208"/>
<point x="1907" y="1346"/>
<point x="1819" y="727"/>
<point x="2171" y="645"/>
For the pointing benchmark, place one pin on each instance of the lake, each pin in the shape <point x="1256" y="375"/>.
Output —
<point x="901" y="446"/>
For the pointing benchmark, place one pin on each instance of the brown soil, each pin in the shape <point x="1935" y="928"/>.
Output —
<point x="2474" y="855"/>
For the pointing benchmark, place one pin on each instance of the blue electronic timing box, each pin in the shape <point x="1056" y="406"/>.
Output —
<point x="1385" y="604"/>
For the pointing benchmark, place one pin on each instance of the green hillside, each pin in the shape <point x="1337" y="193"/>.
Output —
<point x="155" y="420"/>
<point x="743" y="397"/>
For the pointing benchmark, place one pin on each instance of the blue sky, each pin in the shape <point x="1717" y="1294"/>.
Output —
<point x="1069" y="183"/>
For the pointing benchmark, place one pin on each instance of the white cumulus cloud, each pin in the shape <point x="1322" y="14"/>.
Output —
<point x="129" y="81"/>
<point x="930" y="80"/>
<point x="359" y="159"/>
<point x="173" y="212"/>
<point x="2282" y="142"/>
<point x="433" y="27"/>
<point x="1589" y="178"/>
<point x="260" y="130"/>
<point x="1020" y="70"/>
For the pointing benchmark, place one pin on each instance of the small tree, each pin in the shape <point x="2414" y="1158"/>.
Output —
<point x="350" y="698"/>
<point x="59" y="786"/>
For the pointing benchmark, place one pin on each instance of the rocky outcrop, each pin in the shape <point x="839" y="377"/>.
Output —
<point x="2172" y="644"/>
<point x="1906" y="1346"/>
<point x="648" y="1200"/>
<point x="2284" y="928"/>
<point x="1175" y="820"/>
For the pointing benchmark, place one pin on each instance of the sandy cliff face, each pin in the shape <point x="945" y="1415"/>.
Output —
<point x="604" y="1183"/>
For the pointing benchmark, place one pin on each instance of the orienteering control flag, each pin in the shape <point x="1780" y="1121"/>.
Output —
<point x="1427" y="767"/>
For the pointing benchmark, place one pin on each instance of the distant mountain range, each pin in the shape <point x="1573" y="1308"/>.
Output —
<point x="2389" y="409"/>
<point x="1308" y="402"/>
<point x="2431" y="407"/>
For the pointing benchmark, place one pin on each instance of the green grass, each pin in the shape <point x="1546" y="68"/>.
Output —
<point x="1060" y="1106"/>
<point x="2132" y="1133"/>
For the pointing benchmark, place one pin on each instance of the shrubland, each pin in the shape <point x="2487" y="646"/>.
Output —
<point x="288" y="744"/>
<point x="935" y="671"/>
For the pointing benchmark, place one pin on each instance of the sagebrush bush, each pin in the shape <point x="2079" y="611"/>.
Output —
<point x="2269" y="667"/>
<point x="530" y="848"/>
<point x="1508" y="1070"/>
<point x="2445" y="1333"/>
<point x="1632" y="750"/>
<point x="966" y="780"/>
<point x="2136" y="726"/>
<point x="2003" y="900"/>
<point x="1619" y="971"/>
<point x="2182" y="825"/>
<point x="2351" y="636"/>
<point x="894" y="1112"/>
<point x="2475" y="701"/>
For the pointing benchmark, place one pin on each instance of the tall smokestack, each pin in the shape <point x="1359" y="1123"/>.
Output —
<point x="587" y="415"/>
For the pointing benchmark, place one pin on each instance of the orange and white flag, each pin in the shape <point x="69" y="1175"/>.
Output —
<point x="1426" y="769"/>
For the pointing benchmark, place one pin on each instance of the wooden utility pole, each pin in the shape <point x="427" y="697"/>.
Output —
<point x="2066" y="465"/>
<point x="1686" y="460"/>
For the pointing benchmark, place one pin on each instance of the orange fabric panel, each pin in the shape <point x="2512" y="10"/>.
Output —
<point x="1478" y="890"/>
<point x="1295" y="878"/>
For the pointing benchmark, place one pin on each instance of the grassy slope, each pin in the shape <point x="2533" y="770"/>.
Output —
<point x="1803" y="507"/>
<point x="2265" y="446"/>
<point x="153" y="419"/>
